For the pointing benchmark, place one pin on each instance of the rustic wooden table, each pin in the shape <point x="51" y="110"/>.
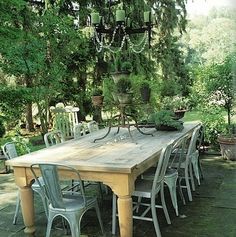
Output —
<point x="114" y="161"/>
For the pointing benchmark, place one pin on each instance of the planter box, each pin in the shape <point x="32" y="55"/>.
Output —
<point x="228" y="147"/>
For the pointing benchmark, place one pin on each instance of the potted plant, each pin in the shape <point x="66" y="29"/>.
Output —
<point x="124" y="91"/>
<point x="97" y="97"/>
<point x="145" y="91"/>
<point x="223" y="87"/>
<point x="228" y="143"/>
<point x="164" y="120"/>
<point x="120" y="67"/>
<point x="178" y="104"/>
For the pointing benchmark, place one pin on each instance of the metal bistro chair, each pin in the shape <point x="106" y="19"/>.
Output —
<point x="10" y="151"/>
<point x="92" y="126"/>
<point x="170" y="180"/>
<point x="187" y="163"/>
<point x="69" y="205"/>
<point x="79" y="130"/>
<point x="53" y="138"/>
<point x="149" y="189"/>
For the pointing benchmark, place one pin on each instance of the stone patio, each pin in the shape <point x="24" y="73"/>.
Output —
<point x="212" y="212"/>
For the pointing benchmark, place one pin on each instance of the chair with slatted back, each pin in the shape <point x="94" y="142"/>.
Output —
<point x="65" y="119"/>
<point x="149" y="189"/>
<point x="69" y="205"/>
<point x="10" y="151"/>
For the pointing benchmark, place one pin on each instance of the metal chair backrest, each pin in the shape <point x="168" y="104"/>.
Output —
<point x="200" y="139"/>
<point x="79" y="130"/>
<point x="51" y="178"/>
<point x="161" y="167"/>
<point x="10" y="151"/>
<point x="53" y="138"/>
<point x="92" y="126"/>
<point x="193" y="142"/>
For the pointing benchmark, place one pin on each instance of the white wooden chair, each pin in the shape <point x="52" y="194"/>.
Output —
<point x="65" y="119"/>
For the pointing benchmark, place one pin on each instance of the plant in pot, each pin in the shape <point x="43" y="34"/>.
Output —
<point x="120" y="67"/>
<point x="124" y="91"/>
<point x="97" y="97"/>
<point x="164" y="120"/>
<point x="221" y="91"/>
<point x="178" y="104"/>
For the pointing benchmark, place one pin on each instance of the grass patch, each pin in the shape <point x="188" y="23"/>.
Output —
<point x="192" y="116"/>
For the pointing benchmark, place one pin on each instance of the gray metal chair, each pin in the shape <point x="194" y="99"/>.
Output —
<point x="187" y="163"/>
<point x="170" y="180"/>
<point x="92" y="126"/>
<point x="69" y="205"/>
<point x="10" y="151"/>
<point x="149" y="189"/>
<point x="54" y="137"/>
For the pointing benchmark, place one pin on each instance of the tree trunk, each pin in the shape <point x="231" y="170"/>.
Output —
<point x="29" y="118"/>
<point x="97" y="114"/>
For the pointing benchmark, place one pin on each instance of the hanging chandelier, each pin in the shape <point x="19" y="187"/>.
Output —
<point x="115" y="35"/>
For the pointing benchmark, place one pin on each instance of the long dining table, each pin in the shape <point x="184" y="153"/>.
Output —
<point x="115" y="161"/>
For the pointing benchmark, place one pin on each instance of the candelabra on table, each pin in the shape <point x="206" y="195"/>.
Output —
<point x="123" y="119"/>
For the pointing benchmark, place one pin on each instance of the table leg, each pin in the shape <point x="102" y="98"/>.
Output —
<point x="125" y="214"/>
<point x="27" y="206"/>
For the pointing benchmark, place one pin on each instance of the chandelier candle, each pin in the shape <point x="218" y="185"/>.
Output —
<point x="95" y="19"/>
<point x="120" y="15"/>
<point x="146" y="16"/>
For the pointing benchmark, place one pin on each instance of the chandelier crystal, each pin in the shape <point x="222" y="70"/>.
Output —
<point x="114" y="37"/>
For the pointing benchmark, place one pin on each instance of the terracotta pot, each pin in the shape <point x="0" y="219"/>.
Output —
<point x="97" y="100"/>
<point x="179" y="113"/>
<point x="228" y="146"/>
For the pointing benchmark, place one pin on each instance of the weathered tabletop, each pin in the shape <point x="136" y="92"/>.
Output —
<point x="116" y="161"/>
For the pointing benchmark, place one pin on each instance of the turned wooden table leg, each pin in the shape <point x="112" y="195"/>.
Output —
<point x="27" y="206"/>
<point x="125" y="214"/>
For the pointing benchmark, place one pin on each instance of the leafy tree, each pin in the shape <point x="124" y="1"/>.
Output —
<point x="37" y="49"/>
<point x="209" y="39"/>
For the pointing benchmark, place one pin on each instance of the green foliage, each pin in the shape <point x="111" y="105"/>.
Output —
<point x="175" y="103"/>
<point x="17" y="96"/>
<point x="121" y="62"/>
<point x="124" y="85"/>
<point x="170" y="87"/>
<point x="165" y="117"/>
<point x="214" y="124"/>
<point x="210" y="39"/>
<point x="220" y="84"/>
<point x="97" y="92"/>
